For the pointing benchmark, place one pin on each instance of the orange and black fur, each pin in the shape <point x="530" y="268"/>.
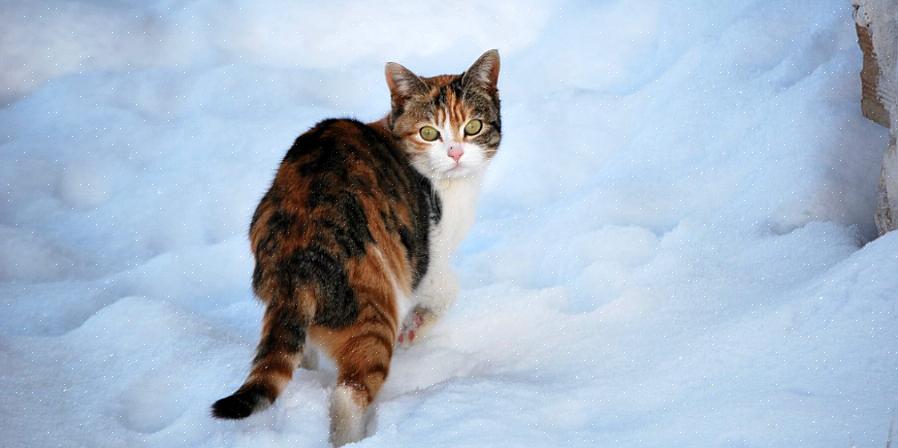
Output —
<point x="347" y="233"/>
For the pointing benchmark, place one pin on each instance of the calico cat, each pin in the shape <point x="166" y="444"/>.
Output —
<point x="353" y="240"/>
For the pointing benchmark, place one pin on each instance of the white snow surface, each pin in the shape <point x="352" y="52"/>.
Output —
<point x="674" y="245"/>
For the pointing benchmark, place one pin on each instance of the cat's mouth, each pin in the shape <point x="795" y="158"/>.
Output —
<point x="457" y="166"/>
<point x="459" y="170"/>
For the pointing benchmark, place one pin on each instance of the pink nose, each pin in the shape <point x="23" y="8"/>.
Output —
<point x="455" y="152"/>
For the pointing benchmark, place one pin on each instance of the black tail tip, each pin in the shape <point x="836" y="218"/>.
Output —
<point x="239" y="405"/>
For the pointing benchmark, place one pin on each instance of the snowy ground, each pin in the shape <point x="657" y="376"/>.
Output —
<point x="673" y="246"/>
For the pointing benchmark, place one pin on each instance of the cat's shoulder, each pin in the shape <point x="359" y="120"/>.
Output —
<point x="345" y="125"/>
<point x="337" y="134"/>
<point x="342" y="129"/>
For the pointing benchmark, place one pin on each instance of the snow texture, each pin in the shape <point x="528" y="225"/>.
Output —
<point x="673" y="246"/>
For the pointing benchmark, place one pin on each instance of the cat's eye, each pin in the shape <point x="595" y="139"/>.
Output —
<point x="429" y="133"/>
<point x="473" y="127"/>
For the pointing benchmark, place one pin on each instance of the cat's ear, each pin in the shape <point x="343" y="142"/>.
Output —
<point x="403" y="83"/>
<point x="485" y="70"/>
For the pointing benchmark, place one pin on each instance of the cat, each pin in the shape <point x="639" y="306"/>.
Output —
<point x="353" y="240"/>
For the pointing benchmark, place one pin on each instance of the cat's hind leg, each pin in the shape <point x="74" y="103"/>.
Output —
<point x="362" y="353"/>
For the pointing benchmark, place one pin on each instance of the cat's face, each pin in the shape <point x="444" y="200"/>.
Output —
<point x="449" y="125"/>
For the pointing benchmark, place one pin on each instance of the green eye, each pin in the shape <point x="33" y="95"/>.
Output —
<point x="429" y="133"/>
<point x="473" y="127"/>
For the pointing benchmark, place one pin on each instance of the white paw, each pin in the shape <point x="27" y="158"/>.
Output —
<point x="347" y="417"/>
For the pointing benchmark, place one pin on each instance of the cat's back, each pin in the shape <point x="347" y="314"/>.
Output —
<point x="342" y="188"/>
<point x="337" y="146"/>
<point x="340" y="160"/>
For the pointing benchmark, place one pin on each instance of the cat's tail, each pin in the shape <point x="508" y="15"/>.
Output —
<point x="278" y="354"/>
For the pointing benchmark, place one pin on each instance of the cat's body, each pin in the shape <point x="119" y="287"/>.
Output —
<point x="353" y="240"/>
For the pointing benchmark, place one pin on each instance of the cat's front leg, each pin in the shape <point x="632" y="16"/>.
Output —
<point x="434" y="296"/>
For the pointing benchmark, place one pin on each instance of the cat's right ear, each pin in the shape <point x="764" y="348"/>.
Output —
<point x="403" y="83"/>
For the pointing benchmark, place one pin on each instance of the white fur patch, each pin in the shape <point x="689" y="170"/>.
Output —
<point x="458" y="197"/>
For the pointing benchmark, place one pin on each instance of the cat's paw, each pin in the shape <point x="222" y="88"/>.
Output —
<point x="415" y="324"/>
<point x="409" y="331"/>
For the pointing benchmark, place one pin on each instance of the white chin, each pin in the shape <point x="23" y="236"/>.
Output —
<point x="459" y="171"/>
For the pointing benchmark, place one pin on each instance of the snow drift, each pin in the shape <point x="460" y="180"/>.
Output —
<point x="673" y="245"/>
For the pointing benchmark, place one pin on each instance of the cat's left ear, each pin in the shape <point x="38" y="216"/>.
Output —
<point x="403" y="83"/>
<point x="485" y="70"/>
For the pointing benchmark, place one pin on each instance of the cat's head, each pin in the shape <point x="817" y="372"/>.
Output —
<point x="449" y="125"/>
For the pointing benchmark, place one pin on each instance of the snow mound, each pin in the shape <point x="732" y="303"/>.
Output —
<point x="673" y="245"/>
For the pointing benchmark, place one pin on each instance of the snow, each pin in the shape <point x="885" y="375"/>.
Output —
<point x="673" y="246"/>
